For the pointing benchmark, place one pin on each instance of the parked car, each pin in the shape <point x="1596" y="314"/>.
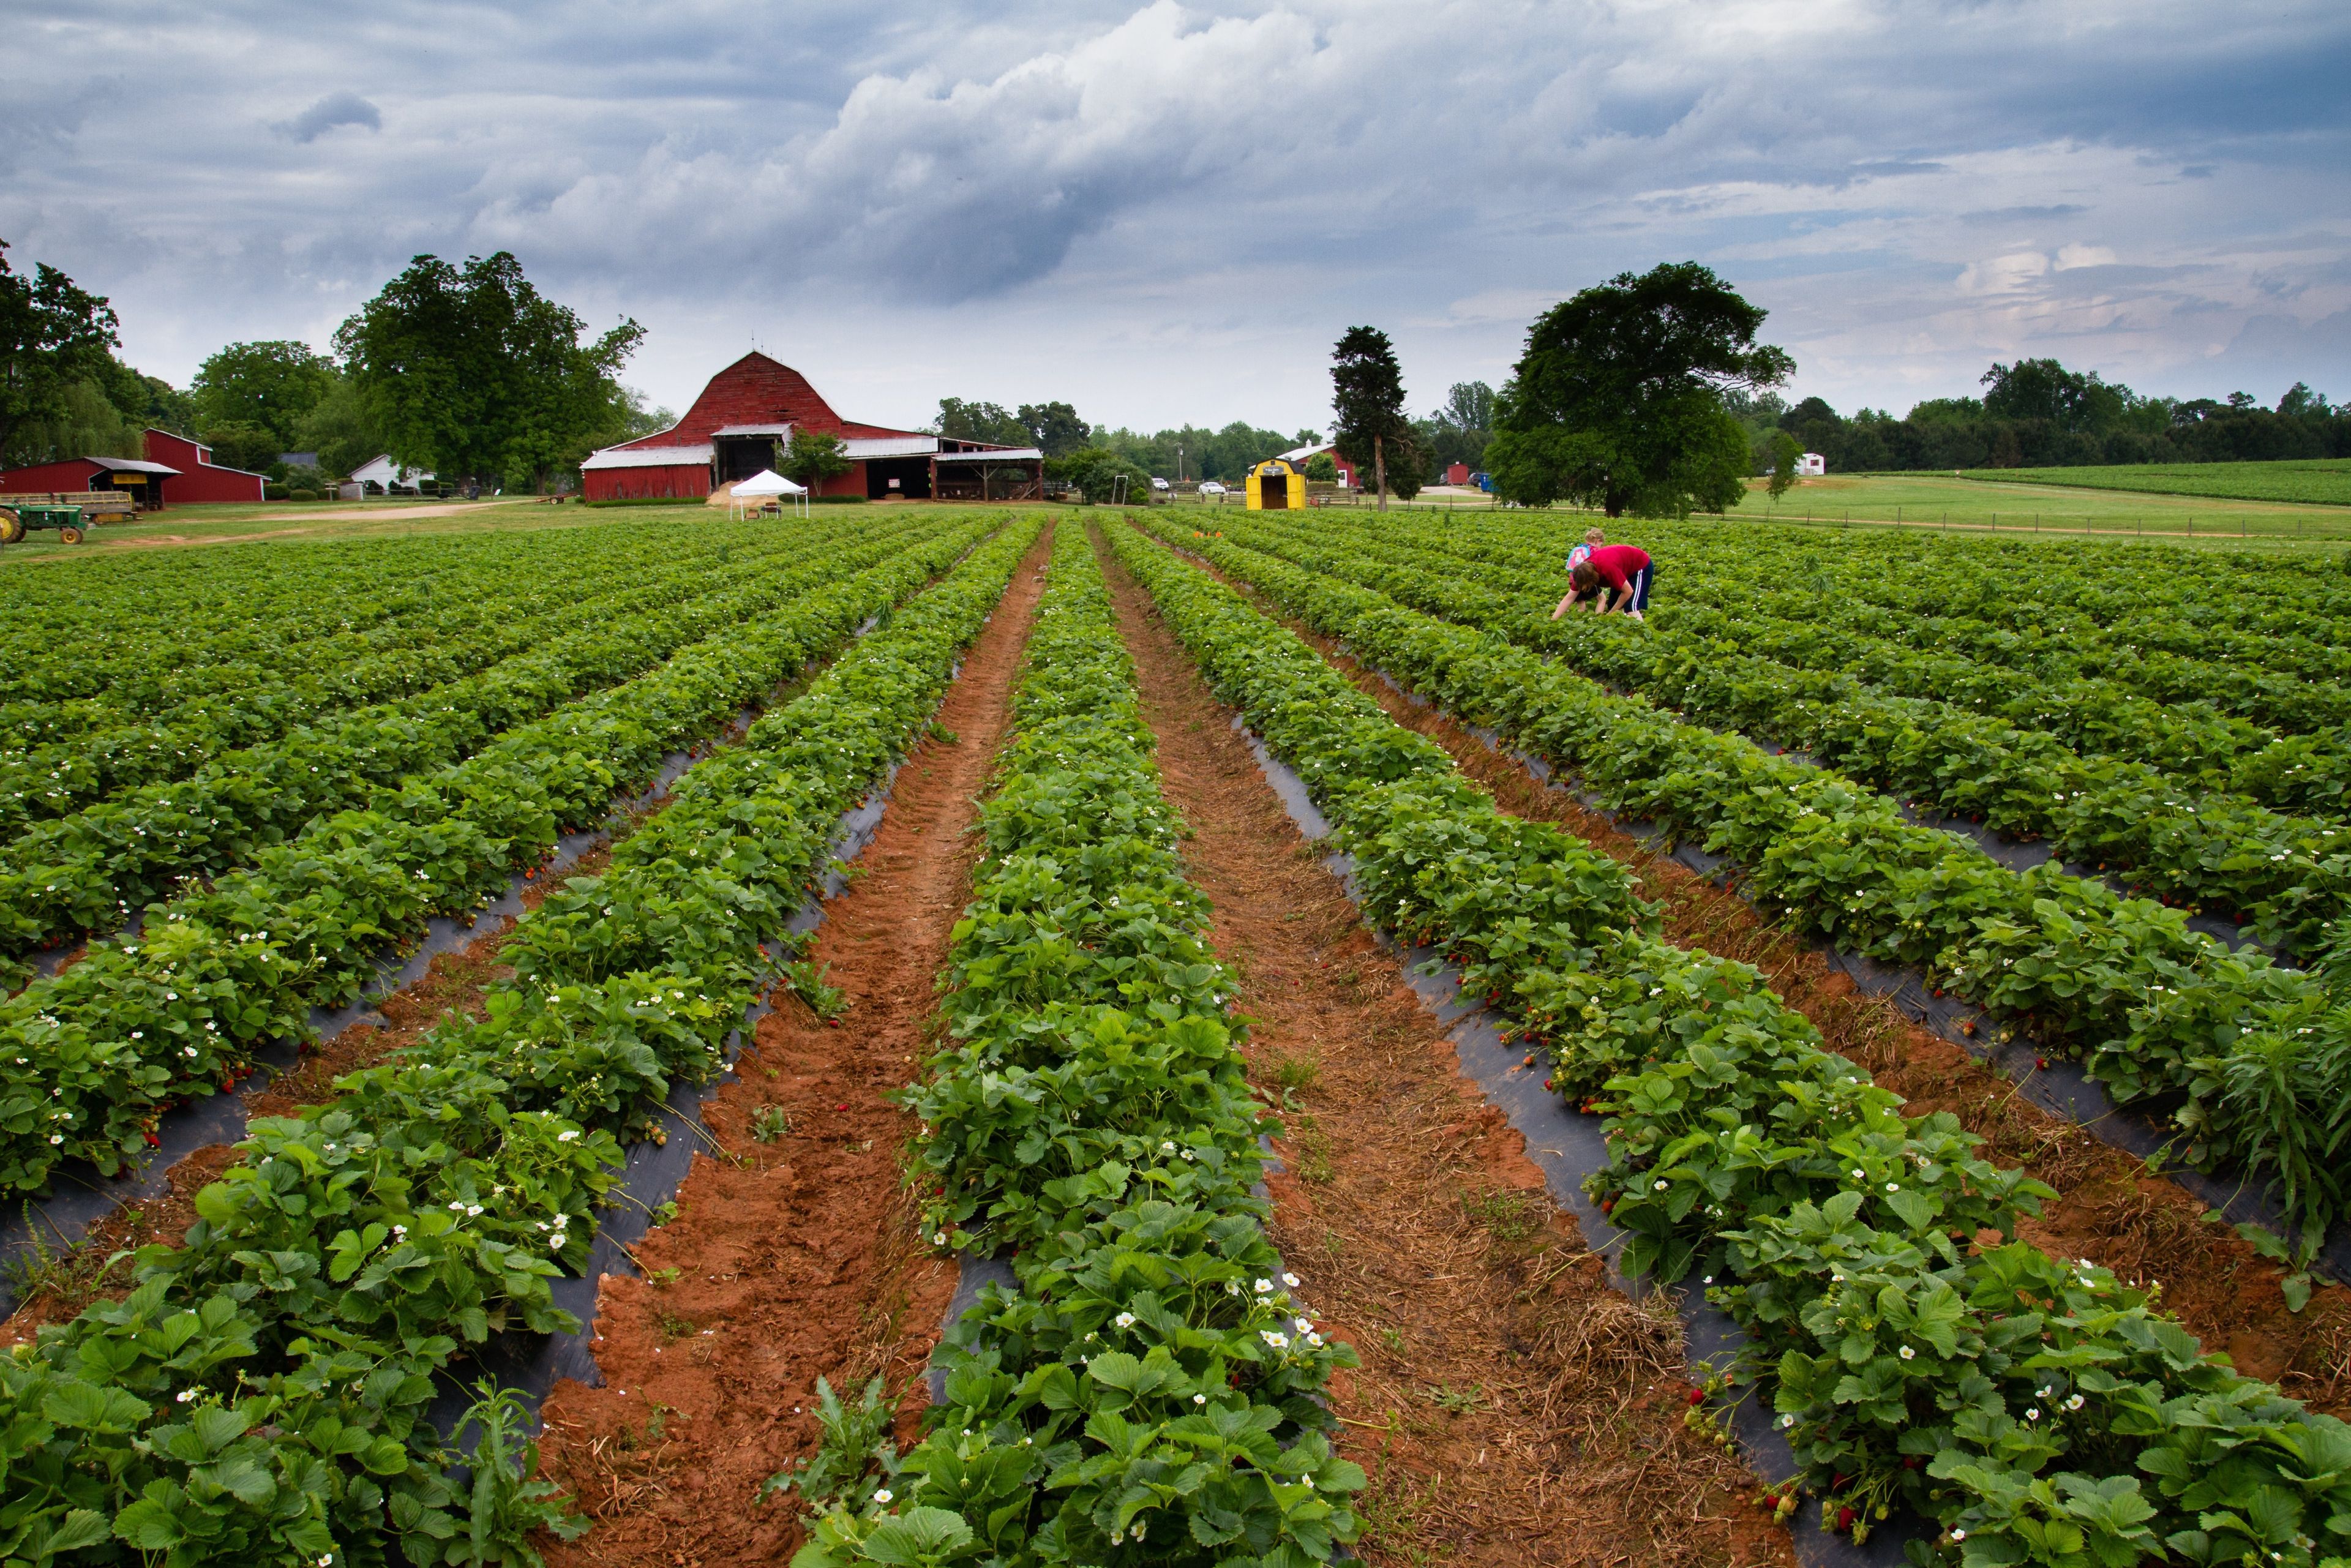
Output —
<point x="1157" y="483"/>
<point x="1210" y="487"/>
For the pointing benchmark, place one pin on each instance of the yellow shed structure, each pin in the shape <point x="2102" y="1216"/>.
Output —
<point x="1276" y="485"/>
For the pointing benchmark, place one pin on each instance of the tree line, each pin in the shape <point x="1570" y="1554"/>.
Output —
<point x="462" y="368"/>
<point x="2036" y="413"/>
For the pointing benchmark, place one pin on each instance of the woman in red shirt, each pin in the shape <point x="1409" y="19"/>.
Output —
<point x="1627" y="569"/>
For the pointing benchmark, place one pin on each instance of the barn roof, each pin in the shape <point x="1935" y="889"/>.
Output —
<point x="650" y="456"/>
<point x="756" y="395"/>
<point x="862" y="447"/>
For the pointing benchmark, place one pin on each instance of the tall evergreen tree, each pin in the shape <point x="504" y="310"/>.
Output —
<point x="1368" y="395"/>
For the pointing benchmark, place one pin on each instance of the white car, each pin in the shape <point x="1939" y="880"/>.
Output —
<point x="1157" y="483"/>
<point x="1210" y="487"/>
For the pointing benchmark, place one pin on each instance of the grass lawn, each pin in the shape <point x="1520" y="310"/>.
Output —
<point x="1933" y="501"/>
<point x="1939" y="502"/>
<point x="2320" y="481"/>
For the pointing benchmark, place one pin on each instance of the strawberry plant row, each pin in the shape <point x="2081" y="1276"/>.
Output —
<point x="260" y="1392"/>
<point x="1147" y="1393"/>
<point x="150" y="631"/>
<point x="2152" y="617"/>
<point x="2287" y="877"/>
<point x="2237" y="1050"/>
<point x="44" y="774"/>
<point x="93" y="870"/>
<point x="90" y="1057"/>
<point x="1917" y="1356"/>
<point x="2098" y="716"/>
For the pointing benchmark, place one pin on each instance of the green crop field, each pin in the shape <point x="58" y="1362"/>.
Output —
<point x="2320" y="481"/>
<point x="2020" y="505"/>
<point x="1944" y="502"/>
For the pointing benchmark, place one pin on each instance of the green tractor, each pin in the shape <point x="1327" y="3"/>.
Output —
<point x="17" y="519"/>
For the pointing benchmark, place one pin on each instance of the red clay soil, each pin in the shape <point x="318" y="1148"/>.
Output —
<point x="2110" y="1208"/>
<point x="796" y="1257"/>
<point x="1512" y="1407"/>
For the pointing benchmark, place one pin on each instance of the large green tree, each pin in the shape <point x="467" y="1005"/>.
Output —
<point x="1617" y="402"/>
<point x="2044" y="388"/>
<point x="54" y="335"/>
<point x="988" y="422"/>
<point x="273" y="384"/>
<point x="1373" y="431"/>
<point x="342" y="429"/>
<point x="472" y="373"/>
<point x="1055" y="428"/>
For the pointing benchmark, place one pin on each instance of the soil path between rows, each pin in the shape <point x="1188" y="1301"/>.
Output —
<point x="2111" y="1208"/>
<point x="1512" y="1407"/>
<point x="793" y="1255"/>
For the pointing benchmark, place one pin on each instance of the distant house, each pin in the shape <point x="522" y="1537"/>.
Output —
<point x="1812" y="465"/>
<point x="384" y="474"/>
<point x="141" y="480"/>
<point x="1298" y="456"/>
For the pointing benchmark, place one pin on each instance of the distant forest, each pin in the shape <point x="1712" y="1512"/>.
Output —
<point x="2036" y="413"/>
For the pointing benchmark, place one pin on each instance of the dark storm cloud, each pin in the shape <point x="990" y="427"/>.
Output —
<point x="336" y="109"/>
<point x="931" y="193"/>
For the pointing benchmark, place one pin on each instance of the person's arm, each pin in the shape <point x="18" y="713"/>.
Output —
<point x="1623" y="597"/>
<point x="1564" y="605"/>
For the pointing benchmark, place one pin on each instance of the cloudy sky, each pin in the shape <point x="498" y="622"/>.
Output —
<point x="1169" y="213"/>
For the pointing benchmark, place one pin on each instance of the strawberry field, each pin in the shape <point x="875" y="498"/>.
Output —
<point x="2089" y="793"/>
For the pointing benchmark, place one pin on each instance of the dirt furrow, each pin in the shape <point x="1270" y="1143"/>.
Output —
<point x="2111" y="1208"/>
<point x="1511" y="1407"/>
<point x="791" y="1253"/>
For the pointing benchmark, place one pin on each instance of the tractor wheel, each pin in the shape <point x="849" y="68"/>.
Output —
<point x="12" y="527"/>
<point x="69" y="535"/>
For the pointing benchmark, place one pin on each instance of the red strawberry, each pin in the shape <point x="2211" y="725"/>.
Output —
<point x="1845" y="1519"/>
<point x="1698" y="1396"/>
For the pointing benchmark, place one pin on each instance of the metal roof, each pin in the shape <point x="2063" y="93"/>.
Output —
<point x="753" y="430"/>
<point x="130" y="466"/>
<point x="1299" y="453"/>
<point x="864" y="446"/>
<point x="650" y="457"/>
<point x="1001" y="454"/>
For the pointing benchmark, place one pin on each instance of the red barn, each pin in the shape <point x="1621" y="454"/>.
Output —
<point x="176" y="471"/>
<point x="1298" y="456"/>
<point x="79" y="475"/>
<point x="746" y="417"/>
<point x="197" y="477"/>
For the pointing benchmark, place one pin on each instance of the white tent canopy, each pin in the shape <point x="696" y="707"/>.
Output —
<point x="765" y="486"/>
<point x="767" y="482"/>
